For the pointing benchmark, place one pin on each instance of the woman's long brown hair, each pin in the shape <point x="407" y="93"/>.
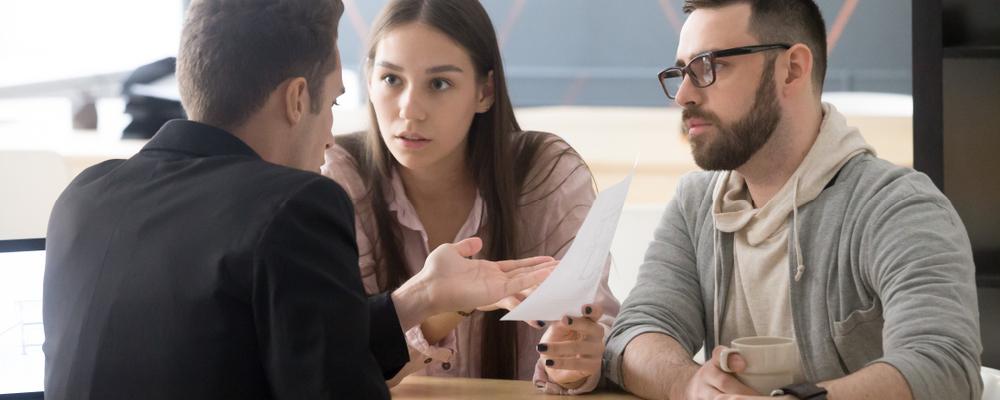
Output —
<point x="499" y="155"/>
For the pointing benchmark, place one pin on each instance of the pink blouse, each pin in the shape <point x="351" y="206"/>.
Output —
<point x="565" y="198"/>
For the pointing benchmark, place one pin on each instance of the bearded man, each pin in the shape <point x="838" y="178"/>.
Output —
<point x="795" y="230"/>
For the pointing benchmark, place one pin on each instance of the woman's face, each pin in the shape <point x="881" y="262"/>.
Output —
<point x="425" y="92"/>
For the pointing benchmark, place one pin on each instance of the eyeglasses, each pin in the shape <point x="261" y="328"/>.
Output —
<point x="701" y="69"/>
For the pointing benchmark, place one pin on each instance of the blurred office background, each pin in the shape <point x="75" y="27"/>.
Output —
<point x="584" y="69"/>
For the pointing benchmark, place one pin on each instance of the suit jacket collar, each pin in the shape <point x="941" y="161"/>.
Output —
<point x="197" y="139"/>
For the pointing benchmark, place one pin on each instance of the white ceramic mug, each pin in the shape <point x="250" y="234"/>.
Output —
<point x="770" y="361"/>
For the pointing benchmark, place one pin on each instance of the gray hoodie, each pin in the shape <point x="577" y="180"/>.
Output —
<point x="759" y="295"/>
<point x="889" y="278"/>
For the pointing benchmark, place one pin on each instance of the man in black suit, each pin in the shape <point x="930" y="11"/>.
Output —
<point x="215" y="263"/>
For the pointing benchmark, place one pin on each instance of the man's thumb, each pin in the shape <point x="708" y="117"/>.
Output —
<point x="468" y="247"/>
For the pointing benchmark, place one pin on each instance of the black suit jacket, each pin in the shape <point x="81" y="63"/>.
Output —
<point x="197" y="270"/>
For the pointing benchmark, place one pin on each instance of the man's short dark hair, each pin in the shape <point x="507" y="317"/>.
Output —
<point x="234" y="53"/>
<point x="782" y="21"/>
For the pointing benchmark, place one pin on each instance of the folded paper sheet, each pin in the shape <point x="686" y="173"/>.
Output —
<point x="575" y="281"/>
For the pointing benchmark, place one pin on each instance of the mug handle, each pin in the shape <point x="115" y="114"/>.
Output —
<point x="724" y="358"/>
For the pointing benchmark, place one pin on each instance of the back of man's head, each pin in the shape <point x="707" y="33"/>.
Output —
<point x="234" y="53"/>
<point x="782" y="21"/>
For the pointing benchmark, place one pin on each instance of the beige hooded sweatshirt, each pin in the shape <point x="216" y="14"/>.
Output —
<point x="758" y="299"/>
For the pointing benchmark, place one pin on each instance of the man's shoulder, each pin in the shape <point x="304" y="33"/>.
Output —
<point x="96" y="171"/>
<point x="244" y="182"/>
<point x="696" y="186"/>
<point x="886" y="182"/>
<point x="261" y="197"/>
<point x="270" y="180"/>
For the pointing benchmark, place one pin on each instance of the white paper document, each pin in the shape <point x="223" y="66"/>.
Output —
<point x="575" y="280"/>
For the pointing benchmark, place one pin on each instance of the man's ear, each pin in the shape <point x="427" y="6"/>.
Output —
<point x="487" y="94"/>
<point x="799" y="67"/>
<point x="296" y="95"/>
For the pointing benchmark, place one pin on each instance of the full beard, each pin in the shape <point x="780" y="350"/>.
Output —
<point x="733" y="145"/>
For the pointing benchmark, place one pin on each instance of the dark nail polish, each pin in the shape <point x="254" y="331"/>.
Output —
<point x="588" y="310"/>
<point x="569" y="321"/>
<point x="550" y="363"/>
<point x="541" y="323"/>
<point x="542" y="347"/>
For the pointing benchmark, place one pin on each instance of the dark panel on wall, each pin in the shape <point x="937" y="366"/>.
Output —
<point x="928" y="125"/>
<point x="989" y="325"/>
<point x="956" y="126"/>
<point x="971" y="142"/>
<point x="971" y="23"/>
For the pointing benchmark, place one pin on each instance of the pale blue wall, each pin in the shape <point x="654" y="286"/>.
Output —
<point x="607" y="52"/>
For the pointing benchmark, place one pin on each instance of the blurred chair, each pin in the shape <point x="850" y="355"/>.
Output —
<point x="628" y="249"/>
<point x="32" y="332"/>
<point x="991" y="383"/>
<point x="30" y="182"/>
<point x="635" y="231"/>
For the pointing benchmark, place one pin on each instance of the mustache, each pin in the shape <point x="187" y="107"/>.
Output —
<point x="696" y="112"/>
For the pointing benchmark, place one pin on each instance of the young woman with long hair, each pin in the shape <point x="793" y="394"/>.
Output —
<point x="445" y="159"/>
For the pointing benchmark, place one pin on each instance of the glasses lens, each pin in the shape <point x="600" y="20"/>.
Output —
<point x="671" y="80"/>
<point x="702" y="71"/>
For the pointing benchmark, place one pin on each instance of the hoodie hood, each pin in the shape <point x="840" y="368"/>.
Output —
<point x="733" y="210"/>
<point x="834" y="146"/>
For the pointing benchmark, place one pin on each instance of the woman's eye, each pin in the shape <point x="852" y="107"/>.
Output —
<point x="391" y="80"/>
<point x="440" y="85"/>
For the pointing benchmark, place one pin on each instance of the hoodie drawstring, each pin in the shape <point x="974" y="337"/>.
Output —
<point x="717" y="309"/>
<point x="800" y="268"/>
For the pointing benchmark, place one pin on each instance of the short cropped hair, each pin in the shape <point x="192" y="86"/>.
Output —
<point x="234" y="53"/>
<point x="782" y="21"/>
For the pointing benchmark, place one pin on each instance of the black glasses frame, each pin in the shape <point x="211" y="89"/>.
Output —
<point x="710" y="56"/>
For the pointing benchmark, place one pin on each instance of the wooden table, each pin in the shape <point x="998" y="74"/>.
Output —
<point x="434" y="388"/>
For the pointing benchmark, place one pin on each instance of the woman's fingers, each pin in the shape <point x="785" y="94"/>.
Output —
<point x="536" y="324"/>
<point x="571" y="349"/>
<point x="590" y="365"/>
<point x="593" y="312"/>
<point x="590" y="330"/>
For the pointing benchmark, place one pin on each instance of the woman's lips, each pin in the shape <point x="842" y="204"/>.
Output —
<point x="412" y="140"/>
